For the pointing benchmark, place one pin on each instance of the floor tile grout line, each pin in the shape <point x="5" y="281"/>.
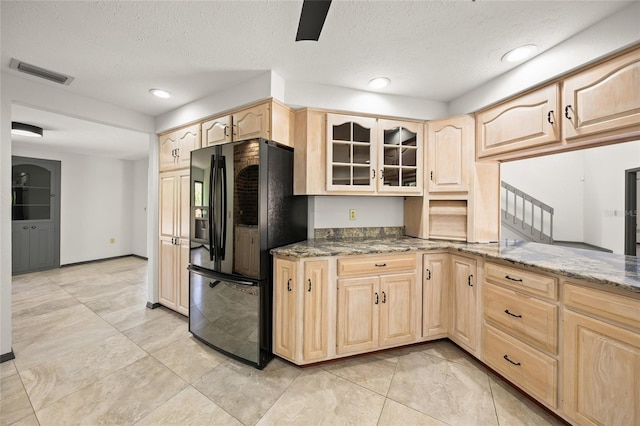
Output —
<point x="24" y="388"/>
<point x="493" y="399"/>
<point x="278" y="398"/>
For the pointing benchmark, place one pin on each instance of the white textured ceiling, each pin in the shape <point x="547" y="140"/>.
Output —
<point x="435" y="50"/>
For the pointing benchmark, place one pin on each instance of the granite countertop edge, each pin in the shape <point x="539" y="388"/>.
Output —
<point x="601" y="268"/>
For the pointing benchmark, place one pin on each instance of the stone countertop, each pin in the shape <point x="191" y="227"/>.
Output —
<point x="598" y="267"/>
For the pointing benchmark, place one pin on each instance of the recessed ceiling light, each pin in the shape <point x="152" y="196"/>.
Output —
<point x="520" y="53"/>
<point x="160" y="93"/>
<point x="22" y="129"/>
<point x="379" y="83"/>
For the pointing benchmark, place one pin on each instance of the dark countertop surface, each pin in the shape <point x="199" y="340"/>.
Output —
<point x="595" y="266"/>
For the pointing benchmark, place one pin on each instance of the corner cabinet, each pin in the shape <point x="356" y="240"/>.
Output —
<point x="176" y="147"/>
<point x="302" y="313"/>
<point x="603" y="100"/>
<point x="174" y="240"/>
<point x="450" y="154"/>
<point x="435" y="295"/>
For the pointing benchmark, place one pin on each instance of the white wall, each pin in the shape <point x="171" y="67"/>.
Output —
<point x="96" y="196"/>
<point x="555" y="180"/>
<point x="333" y="212"/>
<point x="589" y="210"/>
<point x="604" y="193"/>
<point x="139" y="207"/>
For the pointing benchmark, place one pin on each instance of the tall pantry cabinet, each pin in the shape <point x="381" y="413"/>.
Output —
<point x="174" y="204"/>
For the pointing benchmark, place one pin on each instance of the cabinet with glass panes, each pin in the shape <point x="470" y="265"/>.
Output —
<point x="373" y="156"/>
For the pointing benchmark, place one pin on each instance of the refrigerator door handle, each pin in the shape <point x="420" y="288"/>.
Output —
<point x="223" y="222"/>
<point x="212" y="236"/>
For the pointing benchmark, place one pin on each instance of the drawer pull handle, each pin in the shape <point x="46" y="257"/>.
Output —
<point x="514" y="363"/>
<point x="513" y="279"/>
<point x="381" y="265"/>
<point x="289" y="285"/>
<point x="506" y="311"/>
<point x="469" y="280"/>
<point x="428" y="274"/>
<point x="376" y="302"/>
<point x="309" y="285"/>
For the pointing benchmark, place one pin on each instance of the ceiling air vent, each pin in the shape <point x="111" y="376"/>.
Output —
<point x="35" y="71"/>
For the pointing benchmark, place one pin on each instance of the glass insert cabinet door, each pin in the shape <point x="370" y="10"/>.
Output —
<point x="351" y="153"/>
<point x="400" y="156"/>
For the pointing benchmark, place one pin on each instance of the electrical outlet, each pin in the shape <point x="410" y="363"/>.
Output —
<point x="112" y="240"/>
<point x="352" y="214"/>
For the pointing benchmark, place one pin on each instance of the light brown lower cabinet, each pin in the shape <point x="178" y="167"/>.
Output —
<point x="464" y="321"/>
<point x="435" y="292"/>
<point x="301" y="315"/>
<point x="375" y="312"/>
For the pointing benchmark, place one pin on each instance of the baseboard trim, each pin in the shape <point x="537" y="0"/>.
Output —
<point x="7" y="357"/>
<point x="140" y="257"/>
<point x="84" y="262"/>
<point x="153" y="305"/>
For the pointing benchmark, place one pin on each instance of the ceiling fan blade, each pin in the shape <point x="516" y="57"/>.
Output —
<point x="312" y="17"/>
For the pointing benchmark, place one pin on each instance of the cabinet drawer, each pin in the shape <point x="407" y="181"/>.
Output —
<point x="614" y="307"/>
<point x="376" y="265"/>
<point x="525" y="366"/>
<point x="522" y="280"/>
<point x="528" y="318"/>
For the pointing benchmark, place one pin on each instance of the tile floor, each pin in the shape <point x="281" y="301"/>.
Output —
<point x="89" y="352"/>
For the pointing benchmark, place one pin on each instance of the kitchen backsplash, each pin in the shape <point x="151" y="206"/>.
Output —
<point x="372" y="232"/>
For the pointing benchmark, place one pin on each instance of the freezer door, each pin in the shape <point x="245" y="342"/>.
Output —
<point x="225" y="314"/>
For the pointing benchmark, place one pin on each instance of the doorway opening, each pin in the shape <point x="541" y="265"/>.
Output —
<point x="632" y="200"/>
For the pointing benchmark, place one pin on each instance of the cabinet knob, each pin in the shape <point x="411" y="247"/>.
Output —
<point x="25" y="227"/>
<point x="33" y="227"/>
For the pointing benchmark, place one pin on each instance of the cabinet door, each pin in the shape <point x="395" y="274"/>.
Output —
<point x="41" y="245"/>
<point x="397" y="309"/>
<point x="351" y="153"/>
<point x="450" y="154"/>
<point x="601" y="372"/>
<point x="188" y="139"/>
<point x="603" y="98"/>
<point x="315" y="318"/>
<point x="358" y="303"/>
<point x="19" y="247"/>
<point x="182" y="275"/>
<point x="169" y="186"/>
<point x="400" y="157"/>
<point x="464" y="321"/>
<point x="167" y="288"/>
<point x="167" y="151"/>
<point x="216" y="131"/>
<point x="434" y="294"/>
<point x="285" y="289"/>
<point x="251" y="123"/>
<point x="183" y="205"/>
<point x="529" y="121"/>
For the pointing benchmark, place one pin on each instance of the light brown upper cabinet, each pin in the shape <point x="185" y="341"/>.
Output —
<point x="351" y="153"/>
<point x="450" y="154"/>
<point x="373" y="156"/>
<point x="400" y="157"/>
<point x="603" y="101"/>
<point x="269" y="120"/>
<point x="176" y="146"/>
<point x="528" y="121"/>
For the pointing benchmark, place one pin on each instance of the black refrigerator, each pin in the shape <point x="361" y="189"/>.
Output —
<point x="242" y="205"/>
